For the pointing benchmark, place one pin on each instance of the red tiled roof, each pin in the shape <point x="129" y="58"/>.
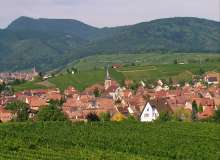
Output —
<point x="5" y="115"/>
<point x="54" y="96"/>
<point x="91" y="89"/>
<point x="204" y="101"/>
<point x="70" y="91"/>
<point x="208" y="112"/>
<point x="35" y="101"/>
<point x="105" y="102"/>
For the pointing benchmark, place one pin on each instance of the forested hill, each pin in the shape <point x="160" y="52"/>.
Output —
<point x="52" y="43"/>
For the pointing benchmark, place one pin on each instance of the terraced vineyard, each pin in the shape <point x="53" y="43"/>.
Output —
<point x="164" y="71"/>
<point x="133" y="140"/>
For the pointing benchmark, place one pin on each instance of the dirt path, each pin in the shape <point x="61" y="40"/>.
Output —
<point x="138" y="70"/>
<point x="47" y="84"/>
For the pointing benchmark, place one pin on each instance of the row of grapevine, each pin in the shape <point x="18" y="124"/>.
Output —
<point x="110" y="140"/>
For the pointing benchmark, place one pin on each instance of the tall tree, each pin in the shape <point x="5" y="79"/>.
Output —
<point x="21" y="110"/>
<point x="194" y="111"/>
<point x="50" y="113"/>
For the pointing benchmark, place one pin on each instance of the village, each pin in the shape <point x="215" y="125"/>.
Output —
<point x="120" y="102"/>
<point x="7" y="77"/>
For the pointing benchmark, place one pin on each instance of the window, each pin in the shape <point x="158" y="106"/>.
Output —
<point x="146" y="115"/>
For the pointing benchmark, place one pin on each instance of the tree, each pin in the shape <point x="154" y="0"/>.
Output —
<point x="170" y="81"/>
<point x="182" y="115"/>
<point x="105" y="116"/>
<point x="57" y="103"/>
<point x="22" y="114"/>
<point x="50" y="113"/>
<point x="118" y="117"/>
<point x="134" y="86"/>
<point x="175" y="61"/>
<point x="92" y="117"/>
<point x="200" y="109"/>
<point x="217" y="116"/>
<point x="68" y="71"/>
<point x="164" y="117"/>
<point x="40" y="75"/>
<point x="21" y="110"/>
<point x="200" y="71"/>
<point x="194" y="111"/>
<point x="182" y="83"/>
<point x="96" y="92"/>
<point x="131" y="118"/>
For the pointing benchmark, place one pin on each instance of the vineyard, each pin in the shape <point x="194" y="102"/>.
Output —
<point x="133" y="141"/>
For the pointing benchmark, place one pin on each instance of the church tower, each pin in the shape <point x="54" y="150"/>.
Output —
<point x="107" y="78"/>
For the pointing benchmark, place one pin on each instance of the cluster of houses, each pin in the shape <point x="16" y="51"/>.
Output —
<point x="144" y="104"/>
<point x="11" y="76"/>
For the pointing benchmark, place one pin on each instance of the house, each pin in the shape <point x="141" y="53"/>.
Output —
<point x="35" y="102"/>
<point x="53" y="96"/>
<point x="212" y="78"/>
<point x="77" y="108"/>
<point x="70" y="91"/>
<point x="115" y="66"/>
<point x="204" y="102"/>
<point x="153" y="108"/>
<point x="207" y="113"/>
<point x="137" y="103"/>
<point x="104" y="102"/>
<point x="149" y="113"/>
<point x="92" y="88"/>
<point x="5" y="115"/>
<point x="128" y="83"/>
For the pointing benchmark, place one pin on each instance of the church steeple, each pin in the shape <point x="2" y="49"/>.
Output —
<point x="107" y="77"/>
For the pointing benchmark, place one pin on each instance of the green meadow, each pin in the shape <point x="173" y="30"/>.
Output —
<point x="83" y="79"/>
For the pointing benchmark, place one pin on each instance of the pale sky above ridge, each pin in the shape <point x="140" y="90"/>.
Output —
<point x="108" y="13"/>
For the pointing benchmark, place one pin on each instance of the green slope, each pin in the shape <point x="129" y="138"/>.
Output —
<point x="84" y="79"/>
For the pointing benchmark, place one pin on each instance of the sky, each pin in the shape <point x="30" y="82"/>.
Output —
<point x="108" y="13"/>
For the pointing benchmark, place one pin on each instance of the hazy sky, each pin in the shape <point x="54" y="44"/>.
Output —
<point x="108" y="12"/>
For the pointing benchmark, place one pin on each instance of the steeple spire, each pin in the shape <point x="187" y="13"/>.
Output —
<point x="107" y="77"/>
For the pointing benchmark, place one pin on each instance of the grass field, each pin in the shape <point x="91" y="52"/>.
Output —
<point x="109" y="141"/>
<point x="28" y="85"/>
<point x="83" y="79"/>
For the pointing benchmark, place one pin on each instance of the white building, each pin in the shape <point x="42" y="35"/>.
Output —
<point x="149" y="113"/>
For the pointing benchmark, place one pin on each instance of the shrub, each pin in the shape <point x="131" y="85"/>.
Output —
<point x="92" y="117"/>
<point x="217" y="116"/>
<point x="50" y="113"/>
<point x="118" y="117"/>
<point x="164" y="117"/>
<point x="20" y="108"/>
<point x="105" y="116"/>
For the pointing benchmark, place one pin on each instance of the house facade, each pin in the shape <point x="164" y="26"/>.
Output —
<point x="149" y="113"/>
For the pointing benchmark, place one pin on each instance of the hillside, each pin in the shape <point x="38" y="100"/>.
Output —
<point x="165" y="35"/>
<point x="52" y="43"/>
<point x="118" y="141"/>
<point x="135" y="67"/>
